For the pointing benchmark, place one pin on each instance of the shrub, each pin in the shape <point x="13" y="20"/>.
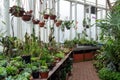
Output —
<point x="106" y="74"/>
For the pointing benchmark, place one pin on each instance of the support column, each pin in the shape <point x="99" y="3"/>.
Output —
<point x="6" y="16"/>
<point x="75" y="19"/>
<point x="58" y="13"/>
<point x="84" y="31"/>
<point x="70" y="36"/>
<point x="90" y="22"/>
<point x="96" y="35"/>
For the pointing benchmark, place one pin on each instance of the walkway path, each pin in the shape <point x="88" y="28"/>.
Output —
<point x="84" y="71"/>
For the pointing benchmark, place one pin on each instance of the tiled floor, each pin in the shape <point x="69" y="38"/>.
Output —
<point x="84" y="71"/>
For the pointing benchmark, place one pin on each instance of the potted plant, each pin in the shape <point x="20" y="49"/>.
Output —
<point x="67" y="23"/>
<point x="44" y="71"/>
<point x="26" y="54"/>
<point x="58" y="23"/>
<point x="35" y="21"/>
<point x="27" y="16"/>
<point x="3" y="73"/>
<point x="11" y="70"/>
<point x="46" y="16"/>
<point x="86" y="23"/>
<point x="35" y="72"/>
<point x="17" y="11"/>
<point x="52" y="16"/>
<point x="59" y="56"/>
<point x="26" y="50"/>
<point x="41" y="23"/>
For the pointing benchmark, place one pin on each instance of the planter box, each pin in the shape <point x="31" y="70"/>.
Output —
<point x="78" y="57"/>
<point x="88" y="56"/>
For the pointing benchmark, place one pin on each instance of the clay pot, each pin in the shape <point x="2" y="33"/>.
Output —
<point x="41" y="24"/>
<point x="46" y="16"/>
<point x="58" y="23"/>
<point x="44" y="75"/>
<point x="35" y="21"/>
<point x="52" y="17"/>
<point x="26" y="17"/>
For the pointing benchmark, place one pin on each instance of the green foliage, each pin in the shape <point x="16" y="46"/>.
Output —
<point x="110" y="35"/>
<point x="43" y="66"/>
<point x="3" y="63"/>
<point x="11" y="70"/>
<point x="59" y="55"/>
<point x="67" y="23"/>
<point x="3" y="72"/>
<point x="106" y="74"/>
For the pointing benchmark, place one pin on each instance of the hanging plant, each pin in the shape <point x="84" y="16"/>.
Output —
<point x="16" y="11"/>
<point x="35" y="21"/>
<point x="46" y="16"/>
<point x="52" y="16"/>
<point x="86" y="23"/>
<point x="58" y="23"/>
<point x="67" y="24"/>
<point x="41" y="23"/>
<point x="27" y="16"/>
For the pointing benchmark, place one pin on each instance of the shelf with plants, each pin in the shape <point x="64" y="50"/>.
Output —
<point x="28" y="59"/>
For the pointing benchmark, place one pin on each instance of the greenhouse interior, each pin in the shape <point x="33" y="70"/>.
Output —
<point x="59" y="40"/>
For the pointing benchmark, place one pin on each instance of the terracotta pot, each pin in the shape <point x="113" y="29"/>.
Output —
<point x="26" y="17"/>
<point x="44" y="75"/>
<point x="35" y="21"/>
<point x="52" y="17"/>
<point x="41" y="24"/>
<point x="58" y="23"/>
<point x="46" y="16"/>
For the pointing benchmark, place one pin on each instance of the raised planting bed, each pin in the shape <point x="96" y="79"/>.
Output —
<point x="83" y="53"/>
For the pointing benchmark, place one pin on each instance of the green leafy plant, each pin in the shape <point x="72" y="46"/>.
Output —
<point x="67" y="23"/>
<point x="11" y="70"/>
<point x="106" y="74"/>
<point x="43" y="66"/>
<point x="3" y="72"/>
<point x="59" y="55"/>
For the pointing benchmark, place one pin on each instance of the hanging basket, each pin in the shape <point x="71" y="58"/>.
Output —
<point x="41" y="24"/>
<point x="27" y="16"/>
<point x="58" y="23"/>
<point x="16" y="11"/>
<point x="52" y="17"/>
<point x="35" y="21"/>
<point x="46" y="16"/>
